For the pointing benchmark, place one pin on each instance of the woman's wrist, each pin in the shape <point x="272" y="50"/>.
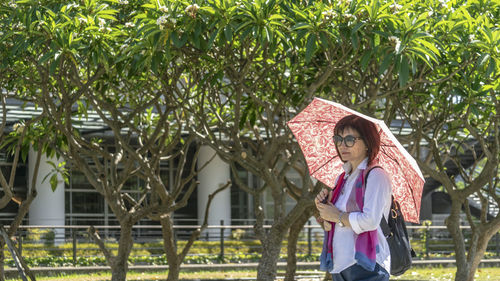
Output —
<point x="345" y="219"/>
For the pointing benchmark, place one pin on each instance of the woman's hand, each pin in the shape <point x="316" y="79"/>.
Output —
<point x="328" y="212"/>
<point x="321" y="196"/>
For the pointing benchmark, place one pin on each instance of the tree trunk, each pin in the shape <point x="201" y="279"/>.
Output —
<point x="481" y="236"/>
<point x="119" y="264"/>
<point x="293" y="237"/>
<point x="478" y="255"/>
<point x="2" y="260"/>
<point x="271" y="247"/>
<point x="453" y="225"/>
<point x="174" y="263"/>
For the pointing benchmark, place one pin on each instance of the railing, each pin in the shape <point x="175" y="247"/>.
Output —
<point x="221" y="240"/>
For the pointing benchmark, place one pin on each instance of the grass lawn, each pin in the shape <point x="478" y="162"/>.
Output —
<point x="415" y="274"/>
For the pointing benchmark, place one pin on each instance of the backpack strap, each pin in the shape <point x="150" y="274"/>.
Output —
<point x="383" y="222"/>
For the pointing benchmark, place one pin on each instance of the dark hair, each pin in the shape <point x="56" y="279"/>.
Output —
<point x="367" y="130"/>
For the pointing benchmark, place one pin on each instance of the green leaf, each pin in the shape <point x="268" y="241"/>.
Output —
<point x="385" y="63"/>
<point x="403" y="72"/>
<point x="302" y="25"/>
<point x="310" y="46"/>
<point x="228" y="33"/>
<point x="429" y="46"/>
<point x="365" y="59"/>
<point x="355" y="40"/>
<point x="53" y="182"/>
<point x="46" y="57"/>
<point x="491" y="67"/>
<point x="376" y="40"/>
<point x="324" y="39"/>
<point x="482" y="60"/>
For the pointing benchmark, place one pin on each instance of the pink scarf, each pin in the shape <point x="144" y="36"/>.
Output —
<point x="366" y="243"/>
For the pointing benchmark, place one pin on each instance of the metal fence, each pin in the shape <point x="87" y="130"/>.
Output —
<point x="222" y="240"/>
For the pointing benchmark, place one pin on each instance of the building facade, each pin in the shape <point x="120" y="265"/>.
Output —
<point x="77" y="203"/>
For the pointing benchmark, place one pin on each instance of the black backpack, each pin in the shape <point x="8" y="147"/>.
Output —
<point x="397" y="237"/>
<point x="394" y="229"/>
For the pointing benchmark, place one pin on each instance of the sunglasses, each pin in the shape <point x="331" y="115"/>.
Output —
<point x="348" y="140"/>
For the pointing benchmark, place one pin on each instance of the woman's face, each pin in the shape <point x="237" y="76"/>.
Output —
<point x="356" y="153"/>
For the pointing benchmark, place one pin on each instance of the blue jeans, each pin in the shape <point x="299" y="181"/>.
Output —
<point x="358" y="273"/>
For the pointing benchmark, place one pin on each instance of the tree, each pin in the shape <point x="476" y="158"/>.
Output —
<point x="455" y="123"/>
<point x="241" y="69"/>
<point x="7" y="181"/>
<point x="265" y="60"/>
<point x="69" y="60"/>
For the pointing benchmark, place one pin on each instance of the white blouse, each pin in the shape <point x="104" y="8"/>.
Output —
<point x="377" y="202"/>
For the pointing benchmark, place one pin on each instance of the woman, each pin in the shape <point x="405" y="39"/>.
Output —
<point x="355" y="247"/>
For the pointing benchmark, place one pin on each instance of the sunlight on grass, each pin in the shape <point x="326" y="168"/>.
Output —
<point x="446" y="274"/>
<point x="146" y="276"/>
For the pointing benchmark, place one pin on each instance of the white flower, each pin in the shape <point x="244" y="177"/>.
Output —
<point x="102" y="22"/>
<point x="348" y="16"/>
<point x="82" y="20"/>
<point x="328" y="15"/>
<point x="191" y="10"/>
<point x="129" y="24"/>
<point x="123" y="2"/>
<point x="442" y="4"/>
<point x="398" y="44"/>
<point x="395" y="41"/>
<point x="13" y="5"/>
<point x="72" y="5"/>
<point x="161" y="21"/>
<point x="105" y="29"/>
<point x="163" y="9"/>
<point x="18" y="26"/>
<point x="18" y="127"/>
<point x="396" y="7"/>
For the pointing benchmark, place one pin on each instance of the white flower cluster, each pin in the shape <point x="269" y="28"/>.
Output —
<point x="129" y="24"/>
<point x="191" y="10"/>
<point x="328" y="15"/>
<point x="164" y="20"/>
<point x="395" y="7"/>
<point x="13" y="4"/>
<point x="72" y="5"/>
<point x="163" y="9"/>
<point x="18" y="26"/>
<point x="348" y="16"/>
<point x="40" y="25"/>
<point x="123" y="2"/>
<point x="395" y="41"/>
<point x="18" y="127"/>
<point x="161" y="21"/>
<point x="443" y="4"/>
<point x="102" y="26"/>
